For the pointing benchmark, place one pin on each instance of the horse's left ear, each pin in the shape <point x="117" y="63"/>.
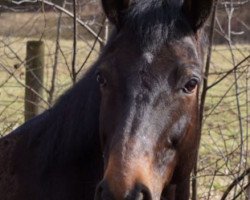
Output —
<point x="197" y="11"/>
<point x="114" y="8"/>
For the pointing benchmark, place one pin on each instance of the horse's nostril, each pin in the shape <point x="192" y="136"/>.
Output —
<point x="144" y="193"/>
<point x="140" y="192"/>
<point x="103" y="192"/>
<point x="99" y="191"/>
<point x="141" y="196"/>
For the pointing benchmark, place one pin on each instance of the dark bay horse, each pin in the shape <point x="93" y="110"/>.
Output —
<point x="129" y="129"/>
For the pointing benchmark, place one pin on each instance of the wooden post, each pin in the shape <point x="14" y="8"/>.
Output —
<point x="34" y="78"/>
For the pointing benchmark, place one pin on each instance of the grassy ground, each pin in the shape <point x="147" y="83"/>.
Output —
<point x="16" y="30"/>
<point x="12" y="90"/>
<point x="39" y="24"/>
<point x="220" y="152"/>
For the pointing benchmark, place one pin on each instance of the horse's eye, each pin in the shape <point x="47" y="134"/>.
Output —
<point x="100" y="79"/>
<point x="190" y="86"/>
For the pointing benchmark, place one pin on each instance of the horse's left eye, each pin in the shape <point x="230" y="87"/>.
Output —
<point x="101" y="80"/>
<point x="190" y="86"/>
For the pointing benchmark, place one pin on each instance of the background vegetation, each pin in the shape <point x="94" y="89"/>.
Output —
<point x="74" y="33"/>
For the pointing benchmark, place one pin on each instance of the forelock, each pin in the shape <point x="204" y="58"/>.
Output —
<point x="153" y="22"/>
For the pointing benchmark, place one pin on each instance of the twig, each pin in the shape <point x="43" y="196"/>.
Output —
<point x="73" y="67"/>
<point x="10" y="73"/>
<point x="229" y="72"/>
<point x="230" y="10"/>
<point x="241" y="191"/>
<point x="234" y="183"/>
<point x="92" y="48"/>
<point x="223" y="96"/>
<point x="53" y="79"/>
<point x="90" y="30"/>
<point x="204" y="93"/>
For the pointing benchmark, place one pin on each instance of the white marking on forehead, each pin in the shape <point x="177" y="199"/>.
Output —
<point x="149" y="57"/>
<point x="188" y="40"/>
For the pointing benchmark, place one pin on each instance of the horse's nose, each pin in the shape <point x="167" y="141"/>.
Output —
<point x="140" y="192"/>
<point x="102" y="192"/>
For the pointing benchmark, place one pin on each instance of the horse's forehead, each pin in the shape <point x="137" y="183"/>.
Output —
<point x="176" y="51"/>
<point x="131" y="57"/>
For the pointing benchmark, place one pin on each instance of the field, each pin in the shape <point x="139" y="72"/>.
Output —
<point x="13" y="79"/>
<point x="222" y="141"/>
<point x="224" y="148"/>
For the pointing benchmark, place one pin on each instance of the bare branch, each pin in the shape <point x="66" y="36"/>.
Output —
<point x="10" y="73"/>
<point x="90" y="30"/>
<point x="229" y="72"/>
<point x="74" y="74"/>
<point x="235" y="183"/>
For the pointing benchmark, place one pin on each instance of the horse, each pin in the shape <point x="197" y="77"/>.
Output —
<point x="129" y="129"/>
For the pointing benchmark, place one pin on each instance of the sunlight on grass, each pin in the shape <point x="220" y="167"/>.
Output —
<point x="220" y="150"/>
<point x="12" y="91"/>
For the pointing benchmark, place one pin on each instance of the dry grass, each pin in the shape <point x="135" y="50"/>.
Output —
<point x="220" y="148"/>
<point x="39" y="24"/>
<point x="12" y="91"/>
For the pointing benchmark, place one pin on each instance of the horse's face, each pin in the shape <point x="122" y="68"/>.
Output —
<point x="149" y="108"/>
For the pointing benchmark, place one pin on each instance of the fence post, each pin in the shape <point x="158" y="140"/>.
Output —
<point x="34" y="78"/>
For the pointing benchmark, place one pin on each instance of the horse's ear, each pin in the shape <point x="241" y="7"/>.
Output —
<point x="114" y="8"/>
<point x="197" y="11"/>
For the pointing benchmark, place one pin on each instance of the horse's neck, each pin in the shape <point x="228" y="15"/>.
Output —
<point x="69" y="132"/>
<point x="78" y="120"/>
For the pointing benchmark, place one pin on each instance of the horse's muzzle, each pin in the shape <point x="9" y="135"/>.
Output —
<point x="140" y="192"/>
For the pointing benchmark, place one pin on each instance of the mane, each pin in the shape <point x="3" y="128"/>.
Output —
<point x="153" y="22"/>
<point x="69" y="131"/>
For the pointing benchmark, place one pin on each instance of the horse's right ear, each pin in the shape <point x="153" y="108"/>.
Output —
<point x="114" y="8"/>
<point x="197" y="12"/>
